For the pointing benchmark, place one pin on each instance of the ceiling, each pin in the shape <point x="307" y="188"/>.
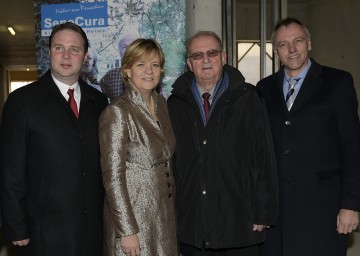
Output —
<point x="19" y="52"/>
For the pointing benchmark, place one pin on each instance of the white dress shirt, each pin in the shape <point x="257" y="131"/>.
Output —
<point x="64" y="89"/>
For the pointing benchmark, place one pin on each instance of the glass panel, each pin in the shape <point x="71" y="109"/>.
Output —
<point x="248" y="60"/>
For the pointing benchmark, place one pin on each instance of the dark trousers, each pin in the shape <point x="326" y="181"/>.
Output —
<point x="188" y="250"/>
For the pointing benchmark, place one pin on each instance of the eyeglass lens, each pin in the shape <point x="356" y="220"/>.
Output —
<point x="200" y="55"/>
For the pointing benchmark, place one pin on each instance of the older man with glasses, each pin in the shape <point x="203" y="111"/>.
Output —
<point x="224" y="160"/>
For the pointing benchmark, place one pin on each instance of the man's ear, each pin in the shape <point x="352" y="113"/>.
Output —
<point x="85" y="58"/>
<point x="223" y="57"/>
<point x="189" y="64"/>
<point x="276" y="53"/>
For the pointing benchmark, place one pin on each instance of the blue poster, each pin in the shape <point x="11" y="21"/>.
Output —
<point x="110" y="26"/>
<point x="87" y="15"/>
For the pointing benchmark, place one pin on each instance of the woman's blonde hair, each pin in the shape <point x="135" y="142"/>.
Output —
<point x="141" y="49"/>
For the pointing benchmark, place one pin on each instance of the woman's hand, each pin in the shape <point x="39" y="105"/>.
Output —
<point x="130" y="245"/>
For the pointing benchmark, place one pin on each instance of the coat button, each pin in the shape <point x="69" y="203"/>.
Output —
<point x="204" y="192"/>
<point x="84" y="212"/>
<point x="204" y="142"/>
<point x="83" y="174"/>
<point x="287" y="123"/>
<point x="286" y="152"/>
<point x="167" y="174"/>
<point x="169" y="185"/>
<point x="166" y="164"/>
<point x="169" y="195"/>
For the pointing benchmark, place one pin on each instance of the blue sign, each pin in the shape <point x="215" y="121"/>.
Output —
<point x="89" y="16"/>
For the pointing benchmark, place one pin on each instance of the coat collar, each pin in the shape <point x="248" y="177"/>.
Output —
<point x="310" y="85"/>
<point x="139" y="100"/>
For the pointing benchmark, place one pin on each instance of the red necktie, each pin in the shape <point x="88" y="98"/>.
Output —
<point x="206" y="97"/>
<point x="72" y="102"/>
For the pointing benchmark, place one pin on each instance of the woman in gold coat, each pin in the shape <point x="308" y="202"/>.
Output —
<point x="137" y="144"/>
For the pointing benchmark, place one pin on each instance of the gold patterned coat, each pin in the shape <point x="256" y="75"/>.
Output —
<point x="136" y="154"/>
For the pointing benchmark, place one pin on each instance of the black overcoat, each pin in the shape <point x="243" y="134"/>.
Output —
<point x="317" y="146"/>
<point x="225" y="171"/>
<point x="51" y="186"/>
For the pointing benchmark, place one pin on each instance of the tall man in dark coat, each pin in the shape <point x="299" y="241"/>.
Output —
<point x="51" y="187"/>
<point x="317" y="145"/>
<point x="224" y="161"/>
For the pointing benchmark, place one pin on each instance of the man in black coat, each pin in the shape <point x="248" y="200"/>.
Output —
<point x="316" y="132"/>
<point x="224" y="162"/>
<point x="51" y="187"/>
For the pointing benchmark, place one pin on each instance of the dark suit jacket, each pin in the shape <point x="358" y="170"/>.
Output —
<point x="317" y="147"/>
<point x="51" y="186"/>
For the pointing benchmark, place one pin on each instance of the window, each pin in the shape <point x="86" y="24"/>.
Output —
<point x="248" y="60"/>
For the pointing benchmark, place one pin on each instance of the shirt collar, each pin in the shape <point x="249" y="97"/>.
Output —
<point x="65" y="87"/>
<point x="201" y="90"/>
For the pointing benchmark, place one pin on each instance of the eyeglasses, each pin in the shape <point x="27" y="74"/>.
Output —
<point x="200" y="55"/>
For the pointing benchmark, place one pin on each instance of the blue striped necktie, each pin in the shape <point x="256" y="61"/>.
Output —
<point x="290" y="96"/>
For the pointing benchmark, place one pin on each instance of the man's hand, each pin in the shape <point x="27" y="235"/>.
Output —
<point x="21" y="242"/>
<point x="347" y="221"/>
<point x="259" y="228"/>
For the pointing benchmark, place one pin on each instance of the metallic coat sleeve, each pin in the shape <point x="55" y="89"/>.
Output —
<point x="113" y="134"/>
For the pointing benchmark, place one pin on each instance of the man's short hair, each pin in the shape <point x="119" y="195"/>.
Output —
<point x="286" y="22"/>
<point x="69" y="26"/>
<point x="203" y="33"/>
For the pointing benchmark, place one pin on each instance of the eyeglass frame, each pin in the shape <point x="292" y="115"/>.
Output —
<point x="200" y="55"/>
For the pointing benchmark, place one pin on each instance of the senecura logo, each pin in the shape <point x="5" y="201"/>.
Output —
<point x="81" y="21"/>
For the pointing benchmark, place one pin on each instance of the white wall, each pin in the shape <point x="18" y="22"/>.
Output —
<point x="334" y="25"/>
<point x="203" y="15"/>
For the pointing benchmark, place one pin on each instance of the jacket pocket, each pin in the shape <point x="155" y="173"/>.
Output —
<point x="328" y="174"/>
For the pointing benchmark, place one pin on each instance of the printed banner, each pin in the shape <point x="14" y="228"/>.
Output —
<point x="87" y="15"/>
<point x="110" y="26"/>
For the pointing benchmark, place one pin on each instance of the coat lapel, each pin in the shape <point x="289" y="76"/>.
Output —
<point x="53" y="93"/>
<point x="92" y="103"/>
<point x="311" y="84"/>
<point x="86" y="96"/>
<point x="277" y="94"/>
